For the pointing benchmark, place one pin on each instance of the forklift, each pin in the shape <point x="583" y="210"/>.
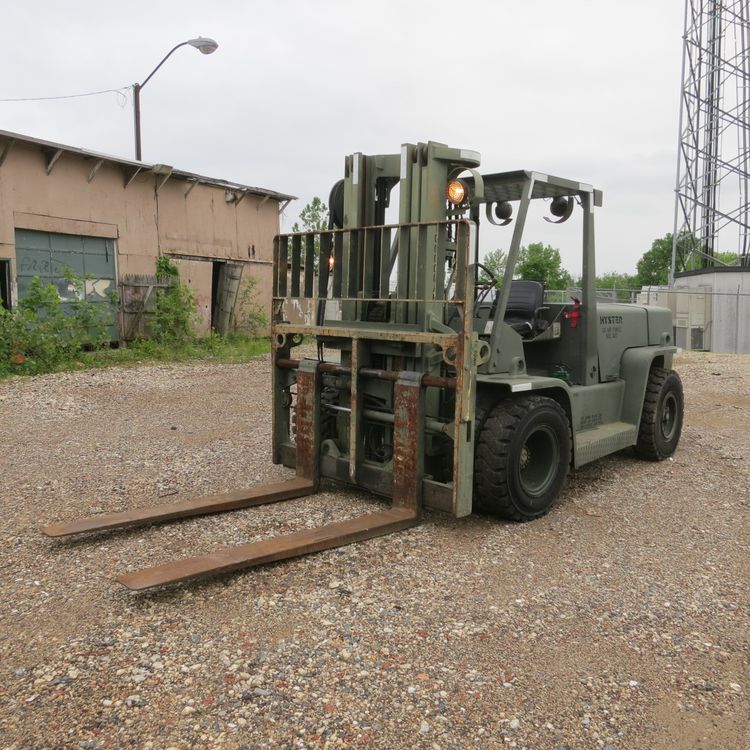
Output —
<point x="436" y="385"/>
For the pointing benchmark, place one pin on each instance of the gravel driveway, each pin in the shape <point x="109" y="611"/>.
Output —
<point x="618" y="621"/>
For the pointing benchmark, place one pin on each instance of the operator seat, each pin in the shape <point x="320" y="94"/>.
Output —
<point x="524" y="304"/>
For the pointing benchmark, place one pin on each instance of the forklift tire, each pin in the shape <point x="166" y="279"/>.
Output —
<point x="522" y="458"/>
<point x="661" y="419"/>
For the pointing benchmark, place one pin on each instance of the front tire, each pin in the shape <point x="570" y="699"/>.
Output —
<point x="661" y="419"/>
<point x="522" y="458"/>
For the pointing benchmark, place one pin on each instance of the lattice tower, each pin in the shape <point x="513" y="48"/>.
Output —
<point x="712" y="206"/>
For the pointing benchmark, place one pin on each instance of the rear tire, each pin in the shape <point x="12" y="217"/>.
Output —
<point x="522" y="458"/>
<point x="661" y="419"/>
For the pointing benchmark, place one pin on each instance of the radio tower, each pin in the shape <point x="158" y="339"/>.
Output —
<point x="712" y="206"/>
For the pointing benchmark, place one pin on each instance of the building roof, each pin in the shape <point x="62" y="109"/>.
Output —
<point x="55" y="150"/>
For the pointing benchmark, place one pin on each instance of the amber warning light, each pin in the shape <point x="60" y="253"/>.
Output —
<point x="455" y="192"/>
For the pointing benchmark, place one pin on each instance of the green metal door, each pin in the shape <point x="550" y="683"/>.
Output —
<point x="47" y="255"/>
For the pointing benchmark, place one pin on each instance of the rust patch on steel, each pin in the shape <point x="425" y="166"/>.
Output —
<point x="443" y="340"/>
<point x="270" y="550"/>
<point x="196" y="506"/>
<point x="307" y="425"/>
<point x="354" y="415"/>
<point x="463" y="441"/>
<point x="459" y="415"/>
<point x="407" y="443"/>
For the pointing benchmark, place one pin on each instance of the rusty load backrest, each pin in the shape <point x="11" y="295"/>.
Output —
<point x="390" y="410"/>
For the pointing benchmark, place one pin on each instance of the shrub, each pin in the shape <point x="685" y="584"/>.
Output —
<point x="176" y="311"/>
<point x="41" y="334"/>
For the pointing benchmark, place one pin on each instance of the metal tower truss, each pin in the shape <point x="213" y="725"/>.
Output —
<point x="712" y="206"/>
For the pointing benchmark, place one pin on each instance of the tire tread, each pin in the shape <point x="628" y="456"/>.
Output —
<point x="491" y="468"/>
<point x="647" y="445"/>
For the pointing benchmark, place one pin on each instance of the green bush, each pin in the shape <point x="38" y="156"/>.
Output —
<point x="42" y="335"/>
<point x="45" y="334"/>
<point x="91" y="321"/>
<point x="176" y="313"/>
<point x="166" y="267"/>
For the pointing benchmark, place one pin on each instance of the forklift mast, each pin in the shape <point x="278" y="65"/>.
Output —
<point x="377" y="297"/>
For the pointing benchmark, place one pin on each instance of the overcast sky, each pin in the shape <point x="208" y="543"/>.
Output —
<point x="585" y="89"/>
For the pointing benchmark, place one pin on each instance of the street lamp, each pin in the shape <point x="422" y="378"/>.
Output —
<point x="204" y="44"/>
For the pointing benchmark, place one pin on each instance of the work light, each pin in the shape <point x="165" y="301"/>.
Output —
<point x="456" y="192"/>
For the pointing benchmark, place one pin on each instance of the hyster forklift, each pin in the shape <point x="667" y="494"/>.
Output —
<point x="436" y="384"/>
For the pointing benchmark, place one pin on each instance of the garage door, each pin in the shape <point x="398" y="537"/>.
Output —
<point x="47" y="255"/>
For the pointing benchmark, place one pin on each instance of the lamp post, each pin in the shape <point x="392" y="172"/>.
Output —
<point x="204" y="44"/>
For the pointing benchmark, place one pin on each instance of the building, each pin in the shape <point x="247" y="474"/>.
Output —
<point x="710" y="308"/>
<point x="108" y="219"/>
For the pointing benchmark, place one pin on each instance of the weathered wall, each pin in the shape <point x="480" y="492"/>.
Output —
<point x="197" y="275"/>
<point x="196" y="222"/>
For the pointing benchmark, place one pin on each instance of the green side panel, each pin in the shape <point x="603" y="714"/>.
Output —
<point x="603" y="440"/>
<point x="659" y="326"/>
<point x="49" y="254"/>
<point x="636" y="365"/>
<point x="620" y="327"/>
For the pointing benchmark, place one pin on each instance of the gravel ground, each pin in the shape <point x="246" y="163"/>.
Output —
<point x="619" y="621"/>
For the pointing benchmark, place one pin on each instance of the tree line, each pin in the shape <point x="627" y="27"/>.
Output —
<point x="539" y="262"/>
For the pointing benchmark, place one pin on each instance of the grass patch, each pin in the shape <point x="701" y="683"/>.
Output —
<point x="216" y="349"/>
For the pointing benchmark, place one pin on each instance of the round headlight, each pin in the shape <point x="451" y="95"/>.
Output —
<point x="456" y="192"/>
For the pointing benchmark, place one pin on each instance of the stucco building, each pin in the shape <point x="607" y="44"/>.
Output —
<point x="109" y="219"/>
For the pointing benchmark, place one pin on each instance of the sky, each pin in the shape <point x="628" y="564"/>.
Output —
<point x="583" y="89"/>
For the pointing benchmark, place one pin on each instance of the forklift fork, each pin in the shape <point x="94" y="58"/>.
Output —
<point x="404" y="512"/>
<point x="195" y="506"/>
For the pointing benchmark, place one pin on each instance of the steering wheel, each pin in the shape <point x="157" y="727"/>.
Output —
<point x="483" y="288"/>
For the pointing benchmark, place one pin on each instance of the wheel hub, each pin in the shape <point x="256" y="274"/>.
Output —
<point x="525" y="457"/>
<point x="538" y="461"/>
<point x="669" y="416"/>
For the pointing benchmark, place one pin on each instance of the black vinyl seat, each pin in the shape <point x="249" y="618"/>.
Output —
<point x="524" y="303"/>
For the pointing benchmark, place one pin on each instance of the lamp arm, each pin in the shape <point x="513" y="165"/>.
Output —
<point x="163" y="60"/>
